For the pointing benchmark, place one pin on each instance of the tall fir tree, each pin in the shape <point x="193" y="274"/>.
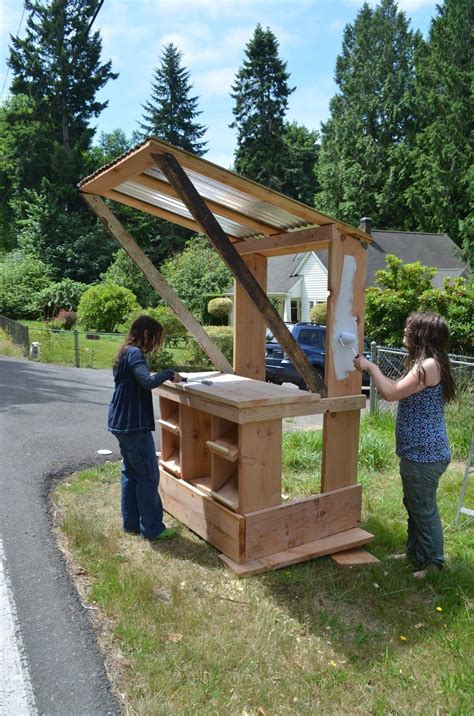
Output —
<point x="171" y="114"/>
<point x="441" y="192"/>
<point x="261" y="94"/>
<point x="301" y="154"/>
<point x="361" y="169"/>
<point x="56" y="74"/>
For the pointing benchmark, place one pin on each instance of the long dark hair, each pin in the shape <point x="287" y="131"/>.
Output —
<point x="145" y="333"/>
<point x="427" y="336"/>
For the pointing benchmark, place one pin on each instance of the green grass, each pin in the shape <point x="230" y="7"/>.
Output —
<point x="184" y="636"/>
<point x="8" y="348"/>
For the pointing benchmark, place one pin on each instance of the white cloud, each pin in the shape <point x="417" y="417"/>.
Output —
<point x="216" y="82"/>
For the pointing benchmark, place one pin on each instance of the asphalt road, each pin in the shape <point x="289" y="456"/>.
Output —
<point x="52" y="422"/>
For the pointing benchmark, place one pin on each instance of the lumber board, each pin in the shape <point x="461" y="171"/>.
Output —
<point x="176" y="175"/>
<point x="291" y="524"/>
<point x="209" y="519"/>
<point x="354" y="558"/>
<point x="195" y="430"/>
<point x="259" y="465"/>
<point x="314" y="239"/>
<point x="340" y="449"/>
<point x="249" y="325"/>
<point x="318" y="548"/>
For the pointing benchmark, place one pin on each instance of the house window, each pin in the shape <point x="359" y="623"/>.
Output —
<point x="311" y="304"/>
<point x="295" y="310"/>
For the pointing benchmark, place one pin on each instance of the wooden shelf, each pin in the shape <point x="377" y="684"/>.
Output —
<point x="172" y="464"/>
<point x="228" y="494"/>
<point x="170" y="425"/>
<point x="224" y="448"/>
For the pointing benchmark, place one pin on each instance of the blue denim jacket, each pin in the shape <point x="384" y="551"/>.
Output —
<point x="131" y="408"/>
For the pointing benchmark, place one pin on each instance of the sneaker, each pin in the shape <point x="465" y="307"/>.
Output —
<point x="422" y="573"/>
<point x="401" y="555"/>
<point x="167" y="533"/>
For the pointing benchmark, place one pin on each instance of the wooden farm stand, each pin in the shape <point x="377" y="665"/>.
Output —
<point x="221" y="443"/>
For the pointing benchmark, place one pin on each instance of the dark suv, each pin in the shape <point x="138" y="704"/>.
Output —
<point x="312" y="339"/>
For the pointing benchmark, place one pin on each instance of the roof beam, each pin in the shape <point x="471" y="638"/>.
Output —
<point x="113" y="225"/>
<point x="314" y="239"/>
<point x="176" y="175"/>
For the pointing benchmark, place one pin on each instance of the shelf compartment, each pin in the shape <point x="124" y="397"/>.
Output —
<point x="171" y="424"/>
<point x="228" y="494"/>
<point x="225" y="447"/>
<point x="172" y="464"/>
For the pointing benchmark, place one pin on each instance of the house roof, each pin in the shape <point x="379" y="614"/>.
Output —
<point x="429" y="249"/>
<point x="243" y="208"/>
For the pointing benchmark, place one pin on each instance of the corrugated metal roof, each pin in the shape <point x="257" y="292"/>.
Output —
<point x="243" y="208"/>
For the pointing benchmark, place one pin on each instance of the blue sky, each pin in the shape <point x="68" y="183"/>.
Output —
<point x="212" y="35"/>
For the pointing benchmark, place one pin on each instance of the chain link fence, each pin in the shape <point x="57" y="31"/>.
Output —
<point x="391" y="363"/>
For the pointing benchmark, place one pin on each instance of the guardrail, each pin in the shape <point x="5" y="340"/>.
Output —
<point x="18" y="333"/>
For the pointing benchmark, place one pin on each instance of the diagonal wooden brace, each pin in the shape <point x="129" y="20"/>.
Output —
<point x="113" y="225"/>
<point x="178" y="178"/>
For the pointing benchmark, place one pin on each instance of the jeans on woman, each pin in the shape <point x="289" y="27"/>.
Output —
<point x="425" y="533"/>
<point x="142" y="511"/>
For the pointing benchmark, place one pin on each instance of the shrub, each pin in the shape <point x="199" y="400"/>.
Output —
<point x="123" y="271"/>
<point x="62" y="295"/>
<point x="105" y="306"/>
<point x="223" y="337"/>
<point x="318" y="313"/>
<point x="220" y="308"/>
<point x="22" y="279"/>
<point x="163" y="314"/>
<point x="64" y="320"/>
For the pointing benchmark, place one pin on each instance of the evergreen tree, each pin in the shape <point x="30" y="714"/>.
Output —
<point x="171" y="115"/>
<point x="261" y="94"/>
<point x="361" y="165"/>
<point x="440" y="195"/>
<point x="301" y="153"/>
<point x="56" y="73"/>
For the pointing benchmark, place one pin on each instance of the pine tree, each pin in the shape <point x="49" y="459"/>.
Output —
<point x="261" y="94"/>
<point x="302" y="148"/>
<point x="440" y="195"/>
<point x="361" y="164"/>
<point x="56" y="74"/>
<point x="171" y="115"/>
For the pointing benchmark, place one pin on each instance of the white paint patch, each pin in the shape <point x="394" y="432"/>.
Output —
<point x="344" y="321"/>
<point x="16" y="693"/>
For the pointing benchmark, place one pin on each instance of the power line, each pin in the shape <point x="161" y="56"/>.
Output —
<point x="16" y="37"/>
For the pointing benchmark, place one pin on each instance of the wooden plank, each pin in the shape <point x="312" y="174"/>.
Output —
<point x="259" y="465"/>
<point x="158" y="282"/>
<point x="212" y="521"/>
<point x="229" y="451"/>
<point x="195" y="431"/>
<point x="314" y="239"/>
<point x="249" y="325"/>
<point x="341" y="431"/>
<point x="291" y="524"/>
<point x="318" y="548"/>
<point x="354" y="557"/>
<point x="197" y="207"/>
<point x="130" y="166"/>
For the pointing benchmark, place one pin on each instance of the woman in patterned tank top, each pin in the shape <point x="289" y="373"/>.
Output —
<point x="421" y="438"/>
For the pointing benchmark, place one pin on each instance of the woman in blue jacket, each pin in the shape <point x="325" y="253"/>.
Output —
<point x="131" y="420"/>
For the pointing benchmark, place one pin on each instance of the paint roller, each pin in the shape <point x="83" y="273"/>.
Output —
<point x="204" y="381"/>
<point x="348" y="340"/>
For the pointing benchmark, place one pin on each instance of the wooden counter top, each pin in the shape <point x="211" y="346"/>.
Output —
<point x="250" y="400"/>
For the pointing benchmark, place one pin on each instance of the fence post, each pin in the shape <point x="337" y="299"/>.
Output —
<point x="76" y="349"/>
<point x="373" y="390"/>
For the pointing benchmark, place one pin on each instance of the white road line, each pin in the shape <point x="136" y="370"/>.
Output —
<point x="16" y="693"/>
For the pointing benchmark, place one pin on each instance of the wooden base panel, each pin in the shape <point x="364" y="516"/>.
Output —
<point x="354" y="558"/>
<point x="318" y="548"/>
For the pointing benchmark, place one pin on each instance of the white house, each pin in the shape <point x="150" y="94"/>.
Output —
<point x="300" y="280"/>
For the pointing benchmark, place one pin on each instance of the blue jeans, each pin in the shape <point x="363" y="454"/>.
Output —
<point x="425" y="533"/>
<point x="142" y="511"/>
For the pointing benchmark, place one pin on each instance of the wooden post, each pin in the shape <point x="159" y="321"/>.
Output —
<point x="341" y="430"/>
<point x="249" y="326"/>
<point x="113" y="225"/>
<point x="178" y="178"/>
